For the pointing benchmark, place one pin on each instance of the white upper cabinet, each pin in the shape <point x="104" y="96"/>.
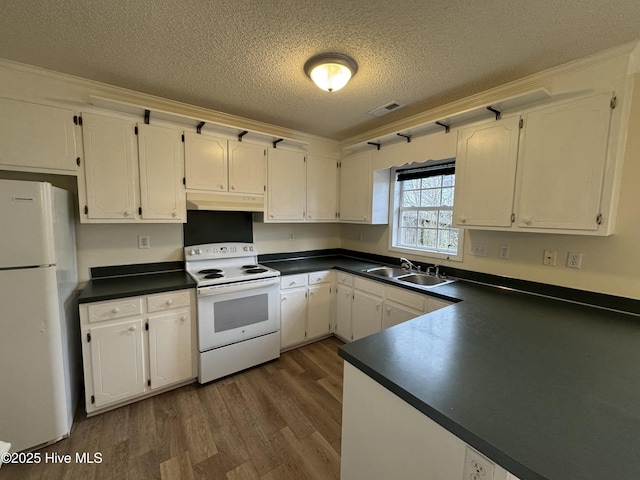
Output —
<point x="206" y="162"/>
<point x="37" y="138"/>
<point x="161" y="172"/>
<point x="301" y="188"/>
<point x="218" y="164"/>
<point x="322" y="189"/>
<point x="562" y="164"/>
<point x="286" y="185"/>
<point x="558" y="179"/>
<point x="126" y="179"/>
<point x="110" y="168"/>
<point x="486" y="172"/>
<point x="247" y="167"/>
<point x="364" y="193"/>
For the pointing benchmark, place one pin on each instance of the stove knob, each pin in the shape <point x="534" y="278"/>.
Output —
<point x="246" y="249"/>
<point x="251" y="248"/>
<point x="192" y="252"/>
<point x="199" y="251"/>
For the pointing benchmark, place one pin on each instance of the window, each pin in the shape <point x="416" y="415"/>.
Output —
<point x="423" y="211"/>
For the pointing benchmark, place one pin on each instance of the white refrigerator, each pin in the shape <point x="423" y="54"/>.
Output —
<point x="40" y="366"/>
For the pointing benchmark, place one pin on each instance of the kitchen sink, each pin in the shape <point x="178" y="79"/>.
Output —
<point x="422" y="279"/>
<point x="389" y="272"/>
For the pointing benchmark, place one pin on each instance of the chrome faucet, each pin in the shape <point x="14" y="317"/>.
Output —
<point x="407" y="265"/>
<point x="434" y="270"/>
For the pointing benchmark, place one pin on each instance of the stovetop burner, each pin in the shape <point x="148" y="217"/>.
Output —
<point x="247" y="267"/>
<point x="256" y="270"/>
<point x="210" y="276"/>
<point x="210" y="270"/>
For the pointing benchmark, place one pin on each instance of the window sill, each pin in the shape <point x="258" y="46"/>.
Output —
<point x="427" y="254"/>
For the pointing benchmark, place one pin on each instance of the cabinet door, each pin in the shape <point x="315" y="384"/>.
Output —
<point x="37" y="136"/>
<point x="110" y="166"/>
<point x="319" y="310"/>
<point x="344" y="299"/>
<point x="562" y="164"/>
<point x="322" y="189"/>
<point x="355" y="188"/>
<point x="247" y="167"/>
<point x="366" y="314"/>
<point x="285" y="185"/>
<point x="293" y="316"/>
<point x="486" y="173"/>
<point x="395" y="314"/>
<point x="161" y="173"/>
<point x="170" y="354"/>
<point x="205" y="161"/>
<point x="117" y="361"/>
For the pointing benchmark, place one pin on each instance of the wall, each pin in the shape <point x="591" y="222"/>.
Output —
<point x="609" y="264"/>
<point x="276" y="238"/>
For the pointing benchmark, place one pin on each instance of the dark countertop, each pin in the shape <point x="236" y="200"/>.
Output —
<point x="110" y="288"/>
<point x="548" y="389"/>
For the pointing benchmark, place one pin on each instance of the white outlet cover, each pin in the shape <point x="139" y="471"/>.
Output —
<point x="503" y="251"/>
<point x="144" y="241"/>
<point x="477" y="465"/>
<point x="574" y="259"/>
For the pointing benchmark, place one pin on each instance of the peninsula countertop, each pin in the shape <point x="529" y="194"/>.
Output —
<point x="549" y="389"/>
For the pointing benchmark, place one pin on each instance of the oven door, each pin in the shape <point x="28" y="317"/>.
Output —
<point x="235" y="312"/>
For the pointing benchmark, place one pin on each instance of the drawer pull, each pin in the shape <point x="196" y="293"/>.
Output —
<point x="132" y="330"/>
<point x="115" y="310"/>
<point x="169" y="302"/>
<point x="183" y="319"/>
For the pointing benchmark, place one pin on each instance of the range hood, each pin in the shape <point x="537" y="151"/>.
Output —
<point x="226" y="202"/>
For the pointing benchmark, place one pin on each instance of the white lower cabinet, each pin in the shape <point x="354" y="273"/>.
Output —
<point x="117" y="361"/>
<point x="305" y="307"/>
<point x="366" y="314"/>
<point x="364" y="307"/>
<point x="130" y="353"/>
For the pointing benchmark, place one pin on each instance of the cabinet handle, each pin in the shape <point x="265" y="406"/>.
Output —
<point x="132" y="330"/>
<point x="183" y="319"/>
<point x="233" y="187"/>
<point x="463" y="220"/>
<point x="271" y="216"/>
<point x="127" y="213"/>
<point x="221" y="187"/>
<point x="115" y="310"/>
<point x="174" y="214"/>
<point x="169" y="302"/>
<point x="284" y="299"/>
<point x="377" y="306"/>
<point x="526" y="220"/>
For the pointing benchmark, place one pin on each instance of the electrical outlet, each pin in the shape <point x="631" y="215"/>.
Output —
<point x="503" y="252"/>
<point x="144" y="241"/>
<point x="574" y="259"/>
<point x="478" y="249"/>
<point x="549" y="257"/>
<point x="477" y="466"/>
<point x="291" y="237"/>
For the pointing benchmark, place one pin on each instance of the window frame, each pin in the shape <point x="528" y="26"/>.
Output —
<point x="394" y="221"/>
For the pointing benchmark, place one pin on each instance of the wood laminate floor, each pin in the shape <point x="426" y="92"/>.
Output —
<point x="281" y="420"/>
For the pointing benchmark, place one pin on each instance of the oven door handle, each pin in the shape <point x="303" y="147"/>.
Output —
<point x="237" y="287"/>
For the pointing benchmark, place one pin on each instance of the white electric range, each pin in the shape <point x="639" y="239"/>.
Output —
<point x="238" y="308"/>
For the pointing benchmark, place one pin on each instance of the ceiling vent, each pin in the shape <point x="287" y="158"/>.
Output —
<point x="384" y="109"/>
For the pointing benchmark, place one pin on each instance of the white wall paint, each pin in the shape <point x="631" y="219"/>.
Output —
<point x="275" y="238"/>
<point x="609" y="264"/>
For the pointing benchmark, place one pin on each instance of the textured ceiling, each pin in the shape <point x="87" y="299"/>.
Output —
<point x="246" y="57"/>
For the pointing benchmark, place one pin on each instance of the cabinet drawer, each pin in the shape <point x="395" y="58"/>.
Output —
<point x="345" y="279"/>
<point x="99" y="312"/>
<point x="165" y="301"/>
<point x="374" y="288"/>
<point x="319" y="277"/>
<point x="404" y="297"/>
<point x="293" y="281"/>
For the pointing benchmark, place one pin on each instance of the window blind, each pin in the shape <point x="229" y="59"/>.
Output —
<point x="442" y="168"/>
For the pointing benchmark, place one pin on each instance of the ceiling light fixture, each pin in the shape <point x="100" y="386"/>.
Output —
<point x="330" y="71"/>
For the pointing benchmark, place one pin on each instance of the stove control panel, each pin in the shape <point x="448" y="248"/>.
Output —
<point x="219" y="250"/>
